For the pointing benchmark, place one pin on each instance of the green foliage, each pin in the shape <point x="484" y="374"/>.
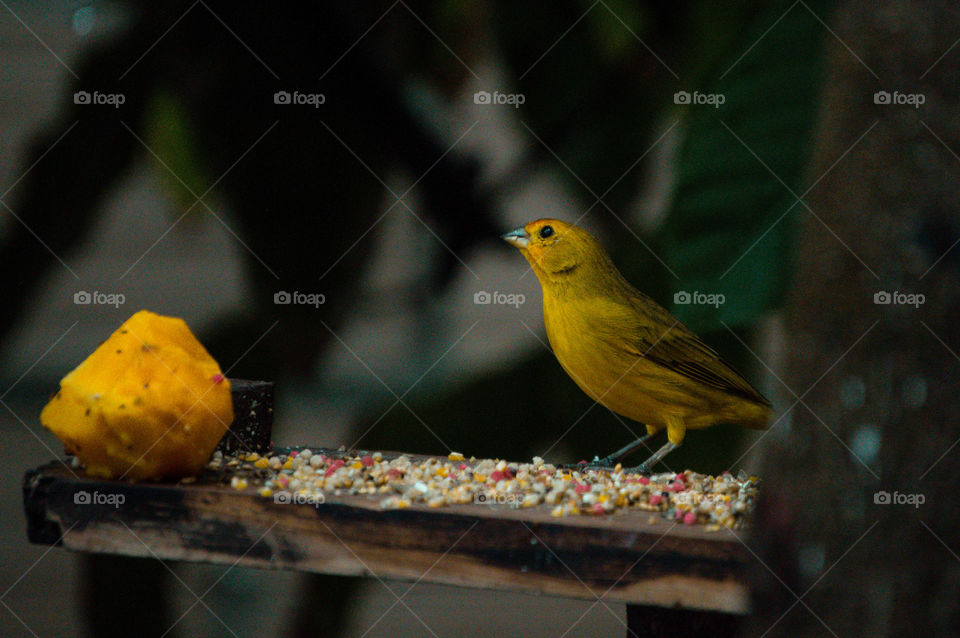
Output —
<point x="728" y="230"/>
<point x="170" y="134"/>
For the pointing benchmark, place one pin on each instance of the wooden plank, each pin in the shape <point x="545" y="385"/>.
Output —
<point x="657" y="564"/>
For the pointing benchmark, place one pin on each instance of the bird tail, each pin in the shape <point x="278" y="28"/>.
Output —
<point x="753" y="415"/>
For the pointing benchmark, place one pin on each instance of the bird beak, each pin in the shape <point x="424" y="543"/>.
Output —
<point x="519" y="238"/>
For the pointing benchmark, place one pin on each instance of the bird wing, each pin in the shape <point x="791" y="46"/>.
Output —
<point x="653" y="333"/>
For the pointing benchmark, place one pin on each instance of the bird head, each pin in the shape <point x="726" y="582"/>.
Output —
<point x="556" y="250"/>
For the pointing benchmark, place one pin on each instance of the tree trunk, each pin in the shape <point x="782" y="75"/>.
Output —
<point x="858" y="531"/>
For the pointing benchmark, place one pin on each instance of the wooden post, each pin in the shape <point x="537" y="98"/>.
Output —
<point x="650" y="621"/>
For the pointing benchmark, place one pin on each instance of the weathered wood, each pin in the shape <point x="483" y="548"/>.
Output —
<point x="623" y="558"/>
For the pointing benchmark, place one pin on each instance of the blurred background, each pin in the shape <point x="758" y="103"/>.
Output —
<point x="318" y="191"/>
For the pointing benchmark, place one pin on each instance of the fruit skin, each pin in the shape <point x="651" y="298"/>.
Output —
<point x="149" y="403"/>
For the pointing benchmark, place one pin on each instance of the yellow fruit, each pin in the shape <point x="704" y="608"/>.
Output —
<point x="149" y="403"/>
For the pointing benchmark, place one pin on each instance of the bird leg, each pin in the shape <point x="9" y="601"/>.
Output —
<point x="608" y="462"/>
<point x="676" y="430"/>
<point x="644" y="468"/>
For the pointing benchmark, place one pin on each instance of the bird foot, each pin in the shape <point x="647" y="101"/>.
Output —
<point x="640" y="469"/>
<point x="606" y="463"/>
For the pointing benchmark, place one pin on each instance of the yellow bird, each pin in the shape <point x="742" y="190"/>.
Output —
<point x="626" y="351"/>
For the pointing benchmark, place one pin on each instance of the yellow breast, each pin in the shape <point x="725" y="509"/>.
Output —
<point x="586" y="347"/>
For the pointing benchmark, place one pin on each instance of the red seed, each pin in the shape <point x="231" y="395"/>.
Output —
<point x="581" y="488"/>
<point x="367" y="460"/>
<point x="496" y="476"/>
<point x="689" y="518"/>
<point x="217" y="378"/>
<point x="656" y="499"/>
<point x="644" y="480"/>
<point x="597" y="508"/>
<point x="462" y="466"/>
<point x="336" y="465"/>
<point x="394" y="473"/>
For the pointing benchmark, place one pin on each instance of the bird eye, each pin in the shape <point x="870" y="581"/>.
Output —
<point x="546" y="231"/>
